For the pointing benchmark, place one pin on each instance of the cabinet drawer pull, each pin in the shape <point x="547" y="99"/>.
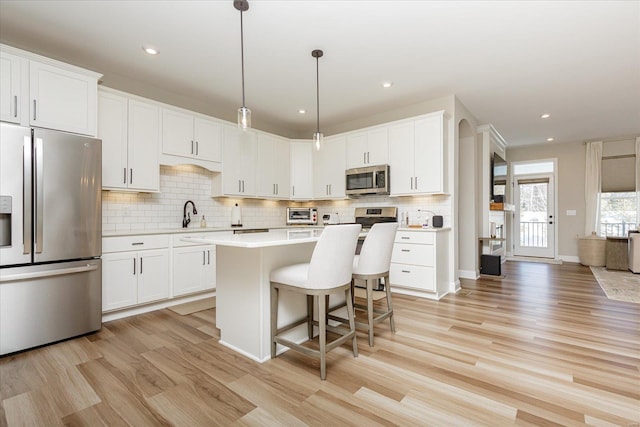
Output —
<point x="137" y="243"/>
<point x="405" y="250"/>
<point x="406" y="271"/>
<point x="405" y="237"/>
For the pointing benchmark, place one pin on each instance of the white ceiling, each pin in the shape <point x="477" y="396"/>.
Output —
<point x="507" y="61"/>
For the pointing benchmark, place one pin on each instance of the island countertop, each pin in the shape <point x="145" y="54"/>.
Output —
<point x="273" y="237"/>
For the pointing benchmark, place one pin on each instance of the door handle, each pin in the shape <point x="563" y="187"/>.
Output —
<point x="49" y="273"/>
<point x="15" y="106"/>
<point x="208" y="257"/>
<point x="125" y="176"/>
<point x="34" y="110"/>
<point x="140" y="265"/>
<point x="27" y="202"/>
<point x="134" y="266"/>
<point x="192" y="147"/>
<point x="130" y="176"/>
<point x="197" y="148"/>
<point x="39" y="195"/>
<point x="204" y="259"/>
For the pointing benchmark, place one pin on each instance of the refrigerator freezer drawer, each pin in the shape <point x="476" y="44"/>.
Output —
<point x="42" y="304"/>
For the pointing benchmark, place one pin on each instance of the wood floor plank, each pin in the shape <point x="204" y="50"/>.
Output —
<point x="542" y="346"/>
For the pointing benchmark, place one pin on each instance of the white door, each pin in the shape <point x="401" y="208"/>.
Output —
<point x="356" y="150"/>
<point x="119" y="280"/>
<point x="112" y="130"/>
<point x="153" y="275"/>
<point x="377" y="147"/>
<point x="208" y="137"/>
<point x="401" y="158"/>
<point x="144" y="138"/>
<point x="9" y="88"/>
<point x="188" y="266"/>
<point x="177" y="133"/>
<point x="301" y="170"/>
<point x="534" y="216"/>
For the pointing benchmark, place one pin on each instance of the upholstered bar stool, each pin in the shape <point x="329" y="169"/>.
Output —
<point x="372" y="265"/>
<point x="328" y="272"/>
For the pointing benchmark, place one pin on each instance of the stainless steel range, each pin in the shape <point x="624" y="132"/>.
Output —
<point x="367" y="217"/>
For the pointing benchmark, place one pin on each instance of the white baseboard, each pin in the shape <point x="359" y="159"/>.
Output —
<point x="132" y="311"/>
<point x="569" y="258"/>
<point x="534" y="259"/>
<point x="467" y="274"/>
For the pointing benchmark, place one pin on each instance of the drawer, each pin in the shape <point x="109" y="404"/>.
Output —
<point x="134" y="243"/>
<point x="412" y="276"/>
<point x="406" y="253"/>
<point x="420" y="237"/>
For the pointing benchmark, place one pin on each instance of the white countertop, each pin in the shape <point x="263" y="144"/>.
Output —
<point x="274" y="237"/>
<point x="198" y="230"/>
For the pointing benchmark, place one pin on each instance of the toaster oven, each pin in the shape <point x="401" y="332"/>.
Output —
<point x="302" y="216"/>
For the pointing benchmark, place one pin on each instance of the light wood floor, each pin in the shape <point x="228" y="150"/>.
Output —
<point x="543" y="346"/>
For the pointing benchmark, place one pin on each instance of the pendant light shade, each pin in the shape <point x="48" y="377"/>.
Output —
<point x="317" y="136"/>
<point x="244" y="114"/>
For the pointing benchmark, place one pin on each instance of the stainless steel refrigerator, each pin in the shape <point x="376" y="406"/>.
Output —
<point x="50" y="236"/>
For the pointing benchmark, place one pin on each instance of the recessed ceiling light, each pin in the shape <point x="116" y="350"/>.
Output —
<point x="550" y="139"/>
<point x="545" y="116"/>
<point x="387" y="84"/>
<point x="302" y="111"/>
<point x="150" y="50"/>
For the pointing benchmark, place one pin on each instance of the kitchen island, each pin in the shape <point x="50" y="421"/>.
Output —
<point x="244" y="262"/>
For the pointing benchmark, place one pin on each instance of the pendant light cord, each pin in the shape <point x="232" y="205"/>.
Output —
<point x="317" y="96"/>
<point x="242" y="56"/>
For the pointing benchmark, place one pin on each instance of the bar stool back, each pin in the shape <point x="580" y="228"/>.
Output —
<point x="328" y="272"/>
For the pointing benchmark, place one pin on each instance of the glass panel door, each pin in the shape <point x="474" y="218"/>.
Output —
<point x="534" y="218"/>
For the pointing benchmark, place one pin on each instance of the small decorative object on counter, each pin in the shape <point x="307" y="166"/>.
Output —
<point x="203" y="222"/>
<point x="236" y="216"/>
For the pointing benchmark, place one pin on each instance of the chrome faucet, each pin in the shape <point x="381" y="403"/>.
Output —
<point x="186" y="216"/>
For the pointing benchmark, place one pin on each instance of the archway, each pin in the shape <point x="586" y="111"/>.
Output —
<point x="467" y="201"/>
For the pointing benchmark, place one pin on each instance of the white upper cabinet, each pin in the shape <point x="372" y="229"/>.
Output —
<point x="272" y="177"/>
<point x="368" y="148"/>
<point x="301" y="170"/>
<point x="62" y="99"/>
<point x="239" y="154"/>
<point x="41" y="92"/>
<point x="417" y="155"/>
<point x="329" y="165"/>
<point x="187" y="135"/>
<point x="9" y="87"/>
<point x="130" y="133"/>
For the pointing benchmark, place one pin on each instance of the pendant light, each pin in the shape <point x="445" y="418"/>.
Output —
<point x="244" y="114"/>
<point x="317" y="136"/>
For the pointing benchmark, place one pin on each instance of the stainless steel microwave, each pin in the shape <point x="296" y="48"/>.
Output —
<point x="305" y="216"/>
<point x="367" y="180"/>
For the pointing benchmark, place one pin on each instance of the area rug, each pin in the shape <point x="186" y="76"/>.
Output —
<point x="617" y="284"/>
<point x="194" y="306"/>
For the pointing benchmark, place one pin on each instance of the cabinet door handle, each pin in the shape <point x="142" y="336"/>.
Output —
<point x="364" y="157"/>
<point x="134" y="266"/>
<point x="15" y="106"/>
<point x="34" y="110"/>
<point x="243" y="185"/>
<point x="192" y="147"/>
<point x="239" y="186"/>
<point x="125" y="176"/>
<point x="197" y="148"/>
<point x="293" y="190"/>
<point x="130" y="176"/>
<point x="412" y="183"/>
<point x="277" y="190"/>
<point x="330" y="189"/>
<point x="416" y="183"/>
<point x="204" y="257"/>
<point x="140" y="265"/>
<point x="368" y="159"/>
<point x="208" y="257"/>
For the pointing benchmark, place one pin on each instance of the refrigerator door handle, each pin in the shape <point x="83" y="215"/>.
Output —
<point x="39" y="195"/>
<point x="26" y="199"/>
<point x="47" y="273"/>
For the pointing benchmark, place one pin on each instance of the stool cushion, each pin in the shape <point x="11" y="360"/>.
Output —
<point x="293" y="275"/>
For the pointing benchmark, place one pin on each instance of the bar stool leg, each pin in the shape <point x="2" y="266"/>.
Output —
<point x="387" y="288"/>
<point x="370" y="309"/>
<point x="274" y="318"/>
<point x="310" y="316"/>
<point x="322" y="314"/>
<point x="348" y="296"/>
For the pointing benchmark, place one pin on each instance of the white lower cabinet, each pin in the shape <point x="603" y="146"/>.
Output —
<point x="131" y="277"/>
<point x="194" y="269"/>
<point x="419" y="262"/>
